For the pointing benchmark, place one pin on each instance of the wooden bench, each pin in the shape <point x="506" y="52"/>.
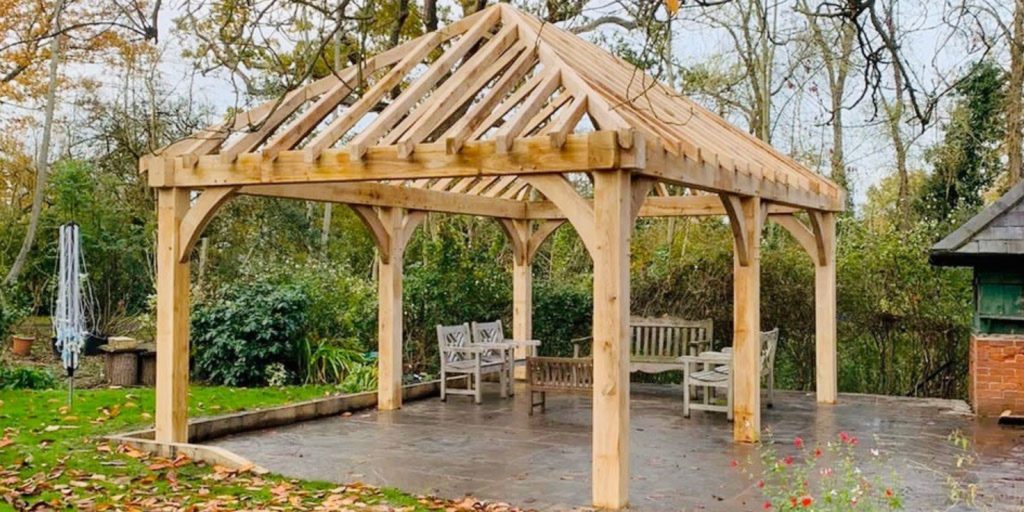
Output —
<point x="656" y="344"/>
<point x="558" y="375"/>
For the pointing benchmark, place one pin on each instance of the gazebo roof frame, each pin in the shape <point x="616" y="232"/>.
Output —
<point x="501" y="102"/>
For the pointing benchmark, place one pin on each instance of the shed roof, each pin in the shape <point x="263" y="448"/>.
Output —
<point x="995" y="232"/>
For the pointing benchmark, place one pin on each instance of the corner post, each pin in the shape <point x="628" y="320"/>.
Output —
<point x="522" y="294"/>
<point x="172" y="318"/>
<point x="612" y="212"/>
<point x="747" y="320"/>
<point x="389" y="311"/>
<point x="825" y="309"/>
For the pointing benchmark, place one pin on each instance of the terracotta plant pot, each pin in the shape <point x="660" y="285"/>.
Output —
<point x="22" y="345"/>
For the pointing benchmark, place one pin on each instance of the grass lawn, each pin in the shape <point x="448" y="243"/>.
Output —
<point x="53" y="458"/>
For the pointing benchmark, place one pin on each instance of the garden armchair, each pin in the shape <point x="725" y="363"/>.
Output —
<point x="460" y="356"/>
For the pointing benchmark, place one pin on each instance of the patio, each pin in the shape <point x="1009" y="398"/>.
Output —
<point x="496" y="451"/>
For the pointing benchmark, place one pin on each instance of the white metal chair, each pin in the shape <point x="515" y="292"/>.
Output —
<point x="460" y="356"/>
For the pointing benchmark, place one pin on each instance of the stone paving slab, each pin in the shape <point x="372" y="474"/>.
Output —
<point x="497" y="451"/>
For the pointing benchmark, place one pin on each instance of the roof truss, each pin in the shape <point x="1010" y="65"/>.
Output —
<point x="471" y="111"/>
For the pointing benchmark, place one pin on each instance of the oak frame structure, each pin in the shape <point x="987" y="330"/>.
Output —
<point x="499" y="115"/>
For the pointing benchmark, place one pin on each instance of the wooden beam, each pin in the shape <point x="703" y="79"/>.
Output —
<point x="566" y="122"/>
<point x="463" y="129"/>
<point x="378" y="194"/>
<point x="511" y="129"/>
<point x="705" y="205"/>
<point x="746" y="353"/>
<point x="172" y="319"/>
<point x="824" y="227"/>
<point x="416" y="91"/>
<point x="531" y="155"/>
<point x="465" y="82"/>
<point x="714" y="176"/>
<point x="610" y="459"/>
<point x="199" y="216"/>
<point x="342" y="124"/>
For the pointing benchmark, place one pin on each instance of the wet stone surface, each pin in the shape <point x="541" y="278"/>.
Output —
<point x="496" y="451"/>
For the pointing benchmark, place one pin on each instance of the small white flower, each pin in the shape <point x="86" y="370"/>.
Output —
<point x="875" y="452"/>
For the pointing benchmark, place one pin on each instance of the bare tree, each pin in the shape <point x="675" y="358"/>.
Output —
<point x="1015" y="95"/>
<point x="43" y="158"/>
<point x="834" y="41"/>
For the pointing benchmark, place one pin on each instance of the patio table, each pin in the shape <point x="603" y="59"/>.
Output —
<point x="708" y="377"/>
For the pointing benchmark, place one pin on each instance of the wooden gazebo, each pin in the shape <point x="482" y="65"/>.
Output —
<point x="493" y="114"/>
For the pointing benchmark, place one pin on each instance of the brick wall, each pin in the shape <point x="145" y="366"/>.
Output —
<point x="997" y="374"/>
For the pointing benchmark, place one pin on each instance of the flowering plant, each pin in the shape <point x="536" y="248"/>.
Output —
<point x="838" y="477"/>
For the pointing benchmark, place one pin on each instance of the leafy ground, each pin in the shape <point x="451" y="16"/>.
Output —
<point x="53" y="457"/>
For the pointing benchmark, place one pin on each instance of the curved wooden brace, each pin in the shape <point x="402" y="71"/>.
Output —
<point x="543" y="232"/>
<point x="199" y="216"/>
<point x="411" y="221"/>
<point x="738" y="224"/>
<point x="577" y="210"/>
<point x="387" y="231"/>
<point x="526" y="240"/>
<point x="518" y="232"/>
<point x="803" y="235"/>
<point x="641" y="188"/>
<point x="381" y="235"/>
<point x="823" y="224"/>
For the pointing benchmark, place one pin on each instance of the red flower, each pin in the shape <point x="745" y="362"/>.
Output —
<point x="792" y="500"/>
<point x="888" y="493"/>
<point x="760" y="484"/>
<point x="767" y="505"/>
<point x="798" y="442"/>
<point x="806" y="501"/>
<point x="788" y="460"/>
<point x="844" y="437"/>
<point x="734" y="463"/>
<point x="817" y="452"/>
<point x="854" y="440"/>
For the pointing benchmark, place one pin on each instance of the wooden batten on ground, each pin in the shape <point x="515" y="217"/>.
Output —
<point x="502" y="116"/>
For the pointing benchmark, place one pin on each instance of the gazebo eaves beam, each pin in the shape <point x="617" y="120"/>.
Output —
<point x="713" y="176"/>
<point x="592" y="151"/>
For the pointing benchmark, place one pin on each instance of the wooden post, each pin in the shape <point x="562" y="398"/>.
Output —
<point x="522" y="296"/>
<point x="746" y="351"/>
<point x="172" y="322"/>
<point x="389" y="313"/>
<point x="825" y="309"/>
<point x="612" y="212"/>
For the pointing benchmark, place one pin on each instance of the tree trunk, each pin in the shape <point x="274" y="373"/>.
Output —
<point x="1014" y="93"/>
<point x="42" y="160"/>
<point x="429" y="15"/>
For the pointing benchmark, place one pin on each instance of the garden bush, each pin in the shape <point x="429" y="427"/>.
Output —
<point x="24" y="377"/>
<point x="239" y="333"/>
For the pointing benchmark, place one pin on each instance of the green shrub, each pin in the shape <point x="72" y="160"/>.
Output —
<point x="361" y="378"/>
<point x="324" y="362"/>
<point x="240" y="332"/>
<point x="24" y="377"/>
<point x="560" y="313"/>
